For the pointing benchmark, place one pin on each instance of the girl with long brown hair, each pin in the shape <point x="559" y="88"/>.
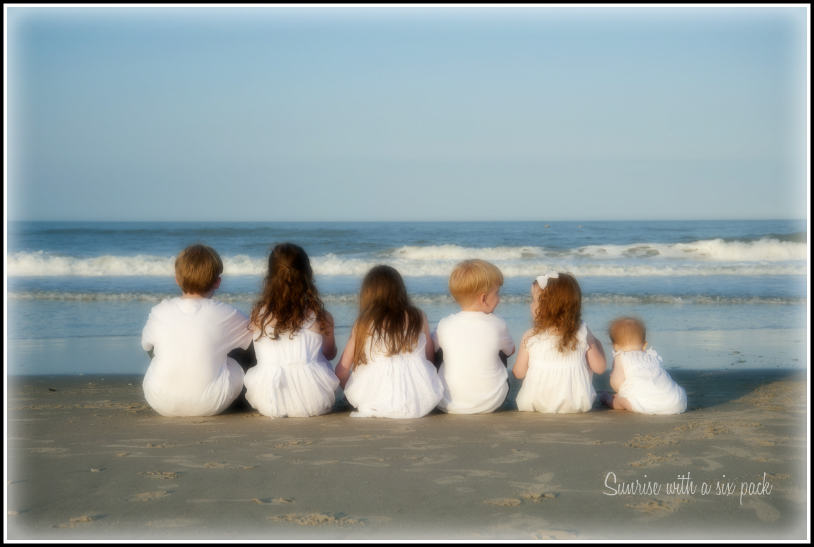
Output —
<point x="559" y="354"/>
<point x="386" y="369"/>
<point x="294" y="340"/>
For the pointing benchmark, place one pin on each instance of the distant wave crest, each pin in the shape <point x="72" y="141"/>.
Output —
<point x="419" y="299"/>
<point x="708" y="257"/>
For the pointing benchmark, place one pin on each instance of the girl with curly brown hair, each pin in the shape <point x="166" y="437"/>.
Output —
<point x="294" y="340"/>
<point x="559" y="354"/>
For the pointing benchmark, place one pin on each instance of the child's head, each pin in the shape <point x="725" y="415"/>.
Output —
<point x="386" y="314"/>
<point x="474" y="280"/>
<point x="197" y="269"/>
<point x="628" y="334"/>
<point x="289" y="292"/>
<point x="558" y="308"/>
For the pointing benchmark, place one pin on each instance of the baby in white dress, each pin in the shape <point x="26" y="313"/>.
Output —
<point x="642" y="385"/>
<point x="293" y="340"/>
<point x="386" y="369"/>
<point x="558" y="356"/>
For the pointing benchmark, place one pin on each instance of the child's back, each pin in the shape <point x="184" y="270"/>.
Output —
<point x="404" y="385"/>
<point x="647" y="386"/>
<point x="557" y="382"/>
<point x="474" y="378"/>
<point x="293" y="340"/>
<point x="559" y="354"/>
<point x="385" y="369"/>
<point x="190" y="374"/>
<point x="292" y="377"/>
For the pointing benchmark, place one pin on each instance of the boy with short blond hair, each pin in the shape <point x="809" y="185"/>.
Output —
<point x="191" y="335"/>
<point x="474" y="377"/>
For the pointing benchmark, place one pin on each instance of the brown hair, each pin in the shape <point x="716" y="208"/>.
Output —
<point x="472" y="278"/>
<point x="288" y="294"/>
<point x="386" y="314"/>
<point x="560" y="310"/>
<point x="197" y="268"/>
<point x="627" y="330"/>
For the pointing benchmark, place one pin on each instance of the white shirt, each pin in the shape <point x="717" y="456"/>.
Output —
<point x="190" y="374"/>
<point x="474" y="377"/>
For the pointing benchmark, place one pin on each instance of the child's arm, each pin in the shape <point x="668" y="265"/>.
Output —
<point x="343" y="367"/>
<point x="617" y="377"/>
<point x="429" y="349"/>
<point x="521" y="363"/>
<point x="595" y="354"/>
<point x="506" y="342"/>
<point x="593" y="339"/>
<point x="328" y="338"/>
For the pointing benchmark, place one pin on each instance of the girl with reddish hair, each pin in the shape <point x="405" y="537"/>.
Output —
<point x="559" y="354"/>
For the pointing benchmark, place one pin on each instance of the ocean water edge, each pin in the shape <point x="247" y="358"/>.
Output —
<point x="75" y="286"/>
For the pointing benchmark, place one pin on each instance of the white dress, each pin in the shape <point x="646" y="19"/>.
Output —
<point x="647" y="386"/>
<point x="556" y="382"/>
<point x="397" y="386"/>
<point x="292" y="377"/>
<point x="190" y="374"/>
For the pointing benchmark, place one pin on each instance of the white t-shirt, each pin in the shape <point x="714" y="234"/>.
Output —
<point x="190" y="374"/>
<point x="474" y="378"/>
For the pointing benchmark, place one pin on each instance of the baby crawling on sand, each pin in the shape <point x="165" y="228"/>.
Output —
<point x="641" y="383"/>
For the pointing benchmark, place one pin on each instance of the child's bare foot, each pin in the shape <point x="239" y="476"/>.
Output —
<point x="606" y="398"/>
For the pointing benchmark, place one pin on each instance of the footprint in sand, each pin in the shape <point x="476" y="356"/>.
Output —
<point x="515" y="457"/>
<point x="369" y="461"/>
<point x="433" y="460"/>
<point x="537" y="497"/>
<point x="161" y="474"/>
<point x="507" y="502"/>
<point x="272" y="501"/>
<point x="76" y="521"/>
<point x="149" y="496"/>
<point x="658" y="508"/>
<point x="763" y="510"/>
<point x="313" y="519"/>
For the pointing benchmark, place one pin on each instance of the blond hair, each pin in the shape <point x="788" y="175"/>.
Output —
<point x="627" y="331"/>
<point x="197" y="268"/>
<point x="471" y="278"/>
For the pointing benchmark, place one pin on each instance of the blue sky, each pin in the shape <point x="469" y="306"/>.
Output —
<point x="406" y="113"/>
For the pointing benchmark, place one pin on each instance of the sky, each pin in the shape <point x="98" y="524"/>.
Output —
<point x="413" y="113"/>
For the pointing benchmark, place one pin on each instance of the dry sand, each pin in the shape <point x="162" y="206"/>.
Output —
<point x="89" y="459"/>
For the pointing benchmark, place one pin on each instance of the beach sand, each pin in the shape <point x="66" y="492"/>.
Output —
<point x="87" y="458"/>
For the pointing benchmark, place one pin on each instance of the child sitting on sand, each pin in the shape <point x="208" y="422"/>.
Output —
<point x="389" y="353"/>
<point x="641" y="383"/>
<point x="559" y="354"/>
<point x="293" y="339"/>
<point x="473" y="371"/>
<point x="190" y="374"/>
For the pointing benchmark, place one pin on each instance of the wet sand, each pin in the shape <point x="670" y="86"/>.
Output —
<point x="87" y="458"/>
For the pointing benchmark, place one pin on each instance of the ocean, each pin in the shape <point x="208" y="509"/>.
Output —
<point x="84" y="289"/>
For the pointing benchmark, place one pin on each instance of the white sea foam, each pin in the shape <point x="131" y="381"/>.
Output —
<point x="709" y="257"/>
<point x="419" y="299"/>
<point x="716" y="250"/>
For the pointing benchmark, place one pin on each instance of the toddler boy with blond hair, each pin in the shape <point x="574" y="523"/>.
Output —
<point x="473" y="373"/>
<point x="190" y="373"/>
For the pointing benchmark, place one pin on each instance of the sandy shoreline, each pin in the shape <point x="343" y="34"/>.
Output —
<point x="91" y="460"/>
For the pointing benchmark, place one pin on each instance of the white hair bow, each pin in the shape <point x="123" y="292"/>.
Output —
<point x="542" y="280"/>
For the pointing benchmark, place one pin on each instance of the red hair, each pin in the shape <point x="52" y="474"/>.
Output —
<point x="560" y="310"/>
